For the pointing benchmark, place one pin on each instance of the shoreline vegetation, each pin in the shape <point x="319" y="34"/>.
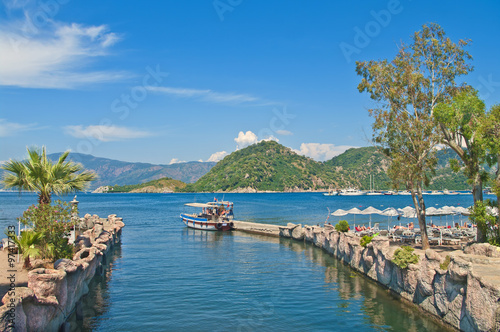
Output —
<point x="271" y="167"/>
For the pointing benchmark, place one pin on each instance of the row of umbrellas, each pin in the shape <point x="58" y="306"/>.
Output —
<point x="409" y="212"/>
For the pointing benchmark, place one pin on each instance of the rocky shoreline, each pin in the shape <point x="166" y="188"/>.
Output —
<point x="462" y="295"/>
<point x="53" y="294"/>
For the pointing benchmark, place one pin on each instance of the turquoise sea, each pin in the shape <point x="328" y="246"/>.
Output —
<point x="166" y="277"/>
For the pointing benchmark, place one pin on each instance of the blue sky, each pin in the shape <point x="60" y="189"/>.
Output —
<point x="171" y="81"/>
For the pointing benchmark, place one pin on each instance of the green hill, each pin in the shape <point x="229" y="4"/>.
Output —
<point x="266" y="166"/>
<point x="163" y="185"/>
<point x="269" y="166"/>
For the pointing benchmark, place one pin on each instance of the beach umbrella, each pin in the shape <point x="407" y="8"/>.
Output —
<point x="390" y="212"/>
<point x="354" y="211"/>
<point x="408" y="212"/>
<point x="339" y="213"/>
<point x="371" y="210"/>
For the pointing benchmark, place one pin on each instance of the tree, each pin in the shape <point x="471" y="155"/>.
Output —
<point x="39" y="174"/>
<point x="27" y="245"/>
<point x="490" y="133"/>
<point x="407" y="90"/>
<point x="459" y="121"/>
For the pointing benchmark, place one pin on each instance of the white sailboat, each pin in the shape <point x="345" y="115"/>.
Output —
<point x="372" y="192"/>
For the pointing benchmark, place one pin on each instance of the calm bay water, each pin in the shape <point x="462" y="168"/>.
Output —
<point x="166" y="277"/>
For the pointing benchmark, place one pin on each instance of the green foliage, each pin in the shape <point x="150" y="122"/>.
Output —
<point x="486" y="223"/>
<point x="53" y="221"/>
<point x="460" y="120"/>
<point x="445" y="263"/>
<point x="404" y="256"/>
<point x="27" y="244"/>
<point x="39" y="174"/>
<point x="271" y="166"/>
<point x="407" y="89"/>
<point x="365" y="240"/>
<point x="342" y="226"/>
<point x="150" y="186"/>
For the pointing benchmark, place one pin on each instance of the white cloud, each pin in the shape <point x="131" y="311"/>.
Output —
<point x="245" y="139"/>
<point x="284" y="132"/>
<point x="320" y="151"/>
<point x="176" y="161"/>
<point x="52" y="54"/>
<point x="270" y="138"/>
<point x="105" y="133"/>
<point x="206" y="95"/>
<point x="217" y="156"/>
<point x="12" y="128"/>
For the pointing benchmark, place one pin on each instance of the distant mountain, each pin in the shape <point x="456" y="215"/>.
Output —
<point x="114" y="172"/>
<point x="270" y="166"/>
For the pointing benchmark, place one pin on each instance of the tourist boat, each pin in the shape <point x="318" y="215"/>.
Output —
<point x="215" y="216"/>
<point x="390" y="193"/>
<point x="449" y="192"/>
<point x="351" y="192"/>
<point x="404" y="192"/>
<point x="331" y="192"/>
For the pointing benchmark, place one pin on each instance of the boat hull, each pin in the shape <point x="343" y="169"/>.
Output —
<point x="205" y="224"/>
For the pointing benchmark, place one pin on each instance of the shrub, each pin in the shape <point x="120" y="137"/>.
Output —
<point x="54" y="222"/>
<point x="342" y="226"/>
<point x="365" y="240"/>
<point x="404" y="256"/>
<point x="485" y="222"/>
<point x="445" y="263"/>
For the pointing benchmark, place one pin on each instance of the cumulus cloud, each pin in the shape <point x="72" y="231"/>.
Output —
<point x="12" y="128"/>
<point x="206" y="94"/>
<point x="105" y="133"/>
<point x="245" y="139"/>
<point x="215" y="157"/>
<point x="52" y="54"/>
<point x="284" y="132"/>
<point x="176" y="161"/>
<point x="321" y="152"/>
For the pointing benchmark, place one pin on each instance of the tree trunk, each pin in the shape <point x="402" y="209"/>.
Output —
<point x="477" y="188"/>
<point x="44" y="198"/>
<point x="418" y="201"/>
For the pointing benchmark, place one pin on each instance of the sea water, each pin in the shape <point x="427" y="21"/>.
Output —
<point x="166" y="277"/>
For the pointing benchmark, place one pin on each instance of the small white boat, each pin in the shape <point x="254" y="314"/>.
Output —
<point x="390" y="193"/>
<point x="404" y="192"/>
<point x="449" y="192"/>
<point x="374" y="193"/>
<point x="331" y="192"/>
<point x="215" y="216"/>
<point x="351" y="192"/>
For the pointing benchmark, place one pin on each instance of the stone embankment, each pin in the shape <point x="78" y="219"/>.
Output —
<point x="53" y="294"/>
<point x="465" y="294"/>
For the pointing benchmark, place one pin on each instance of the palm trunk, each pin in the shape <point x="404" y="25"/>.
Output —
<point x="418" y="202"/>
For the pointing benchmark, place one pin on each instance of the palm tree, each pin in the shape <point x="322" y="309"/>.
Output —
<point x="26" y="244"/>
<point x="39" y="174"/>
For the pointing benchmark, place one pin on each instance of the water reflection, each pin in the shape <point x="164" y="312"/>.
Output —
<point x="383" y="309"/>
<point x="97" y="301"/>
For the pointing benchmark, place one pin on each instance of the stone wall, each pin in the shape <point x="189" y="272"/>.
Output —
<point x="52" y="294"/>
<point x="459" y="295"/>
